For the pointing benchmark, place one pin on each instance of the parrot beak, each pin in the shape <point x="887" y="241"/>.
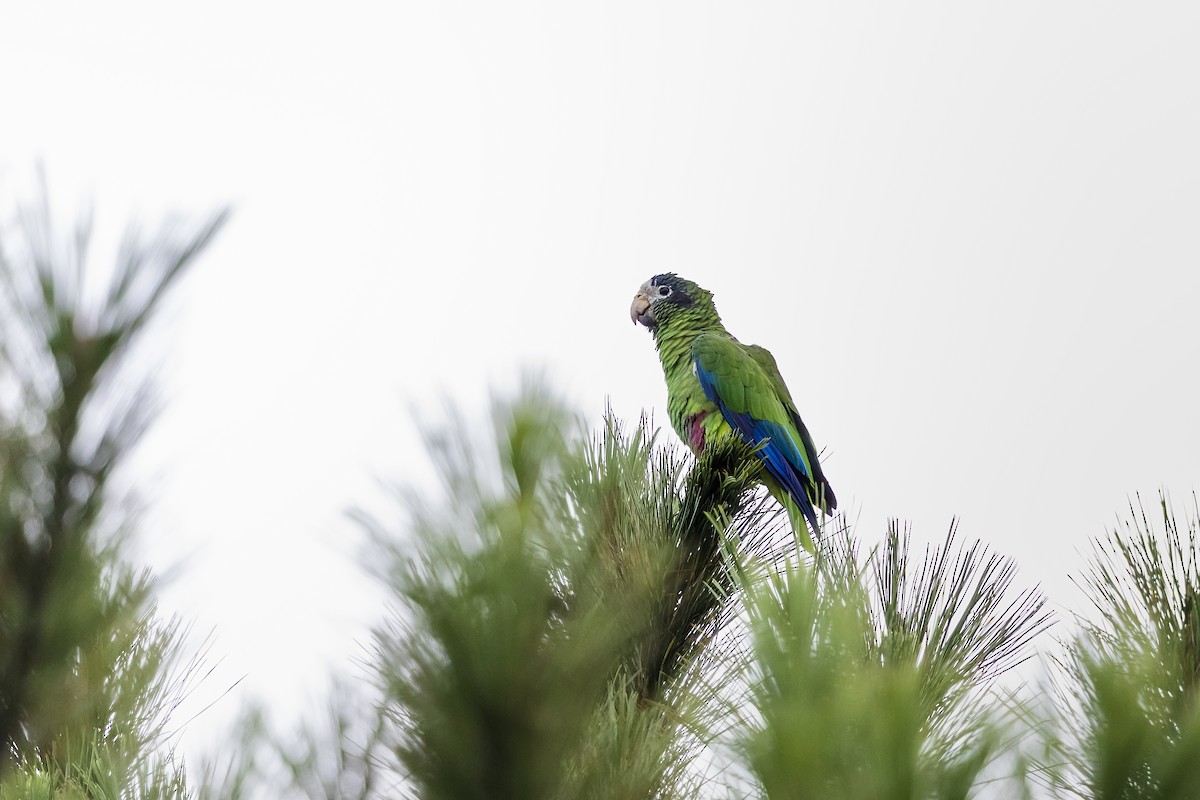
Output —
<point x="641" y="311"/>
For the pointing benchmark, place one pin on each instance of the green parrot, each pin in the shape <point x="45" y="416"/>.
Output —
<point x="717" y="386"/>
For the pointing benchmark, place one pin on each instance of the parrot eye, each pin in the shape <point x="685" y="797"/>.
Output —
<point x="664" y="291"/>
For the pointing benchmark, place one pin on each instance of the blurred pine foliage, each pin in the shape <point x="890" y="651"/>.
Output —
<point x="88" y="674"/>
<point x="601" y="617"/>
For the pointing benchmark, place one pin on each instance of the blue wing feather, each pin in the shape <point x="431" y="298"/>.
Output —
<point x="779" y="454"/>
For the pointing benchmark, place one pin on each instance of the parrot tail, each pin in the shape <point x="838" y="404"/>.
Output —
<point x="800" y="523"/>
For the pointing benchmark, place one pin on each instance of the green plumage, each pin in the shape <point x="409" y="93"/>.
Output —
<point x="717" y="387"/>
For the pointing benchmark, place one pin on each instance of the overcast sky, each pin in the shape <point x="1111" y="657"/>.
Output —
<point x="970" y="234"/>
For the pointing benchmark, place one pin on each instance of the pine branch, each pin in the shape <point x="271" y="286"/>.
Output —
<point x="955" y="618"/>
<point x="79" y="649"/>
<point x="550" y="618"/>
<point x="1127" y="690"/>
<point x="868" y="674"/>
<point x="693" y="598"/>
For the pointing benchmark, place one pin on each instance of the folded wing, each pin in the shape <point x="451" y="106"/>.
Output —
<point x="747" y="389"/>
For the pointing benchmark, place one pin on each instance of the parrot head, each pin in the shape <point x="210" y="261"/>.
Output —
<point x="663" y="296"/>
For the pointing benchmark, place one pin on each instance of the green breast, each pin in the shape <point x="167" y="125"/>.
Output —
<point x="687" y="405"/>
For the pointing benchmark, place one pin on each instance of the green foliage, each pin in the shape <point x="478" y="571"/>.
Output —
<point x="955" y="618"/>
<point x="87" y="673"/>
<point x="870" y="677"/>
<point x="489" y="672"/>
<point x="608" y="619"/>
<point x="537" y="651"/>
<point x="98" y="772"/>
<point x="1131" y="722"/>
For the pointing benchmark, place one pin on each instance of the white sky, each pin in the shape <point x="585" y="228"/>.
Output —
<point x="970" y="233"/>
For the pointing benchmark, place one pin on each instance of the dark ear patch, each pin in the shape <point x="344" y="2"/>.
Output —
<point x="680" y="296"/>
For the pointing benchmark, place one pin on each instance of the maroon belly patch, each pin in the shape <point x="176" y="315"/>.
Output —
<point x="696" y="431"/>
